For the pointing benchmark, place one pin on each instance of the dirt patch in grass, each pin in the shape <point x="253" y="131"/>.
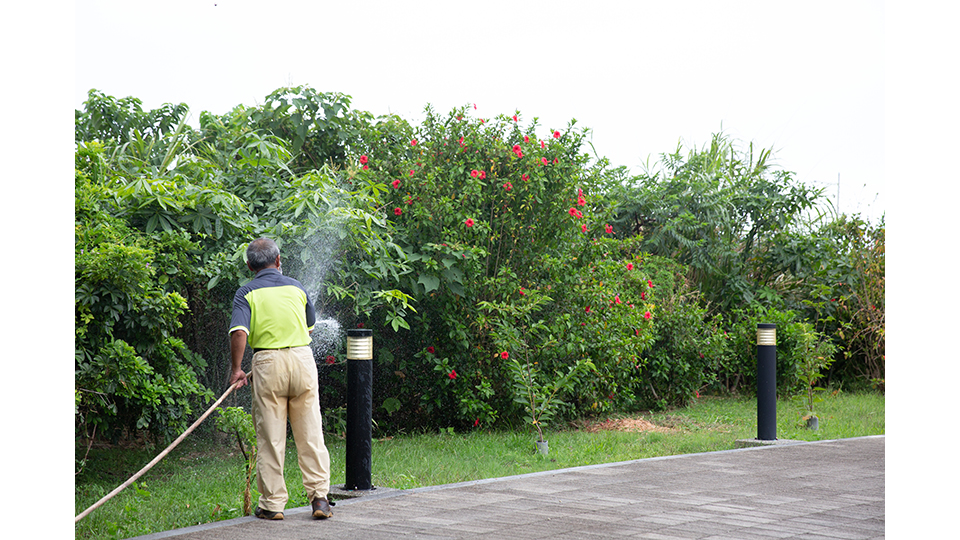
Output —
<point x="624" y="424"/>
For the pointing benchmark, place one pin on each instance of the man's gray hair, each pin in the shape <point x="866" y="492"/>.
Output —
<point x="261" y="253"/>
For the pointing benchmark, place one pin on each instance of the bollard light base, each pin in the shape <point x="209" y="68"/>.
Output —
<point x="339" y="493"/>
<point x="748" y="443"/>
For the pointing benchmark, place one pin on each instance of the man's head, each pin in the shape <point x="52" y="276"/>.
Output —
<point x="263" y="253"/>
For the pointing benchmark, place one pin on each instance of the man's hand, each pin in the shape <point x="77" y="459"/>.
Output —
<point x="237" y="375"/>
<point x="238" y="342"/>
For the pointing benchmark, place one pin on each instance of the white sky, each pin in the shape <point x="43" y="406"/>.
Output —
<point x="804" y="78"/>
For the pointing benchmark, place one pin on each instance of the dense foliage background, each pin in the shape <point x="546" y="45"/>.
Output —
<point x="493" y="257"/>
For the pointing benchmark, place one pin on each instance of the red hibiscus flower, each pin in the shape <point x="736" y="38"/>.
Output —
<point x="363" y="160"/>
<point x="647" y="315"/>
<point x="409" y="201"/>
<point x="543" y="161"/>
<point x="608" y="229"/>
<point x="521" y="292"/>
<point x="543" y="144"/>
<point x="395" y="184"/>
<point x="413" y="142"/>
<point x="430" y="349"/>
<point x="453" y="374"/>
<point x="331" y="359"/>
<point x="469" y="222"/>
<point x="588" y="309"/>
<point x="474" y="173"/>
<point x="524" y="177"/>
<point x="649" y="284"/>
<point x="411" y="172"/>
<point x="397" y="211"/>
<point x="556" y="134"/>
<point x="643" y="295"/>
<point x="583" y="228"/>
<point x="514" y="118"/>
<point x="508" y="186"/>
<point x="482" y="175"/>
<point x="504" y="355"/>
<point x="629" y="266"/>
<point x="526" y="138"/>
<point x="572" y="212"/>
<point x="581" y="201"/>
<point x="616" y="299"/>
<point x="477" y="421"/>
<point x="365" y="167"/>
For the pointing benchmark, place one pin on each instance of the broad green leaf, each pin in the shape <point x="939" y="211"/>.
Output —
<point x="391" y="405"/>
<point x="457" y="289"/>
<point x="453" y="275"/>
<point x="429" y="282"/>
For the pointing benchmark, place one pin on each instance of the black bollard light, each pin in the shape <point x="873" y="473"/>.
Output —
<point x="359" y="409"/>
<point x="766" y="382"/>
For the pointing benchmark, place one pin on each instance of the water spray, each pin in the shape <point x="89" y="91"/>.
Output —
<point x="325" y="337"/>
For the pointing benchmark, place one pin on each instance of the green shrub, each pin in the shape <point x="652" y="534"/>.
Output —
<point x="717" y="209"/>
<point x="687" y="344"/>
<point x="457" y="240"/>
<point x="238" y="423"/>
<point x="506" y="246"/>
<point x="813" y="354"/>
<point x="738" y="371"/>
<point x="131" y="372"/>
<point x="834" y="275"/>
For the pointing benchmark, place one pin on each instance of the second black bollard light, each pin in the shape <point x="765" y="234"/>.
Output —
<point x="767" y="382"/>
<point x="359" y="410"/>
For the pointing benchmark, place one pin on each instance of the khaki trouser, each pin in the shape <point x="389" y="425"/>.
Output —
<point x="285" y="385"/>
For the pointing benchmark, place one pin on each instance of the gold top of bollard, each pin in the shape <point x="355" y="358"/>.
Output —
<point x="766" y="334"/>
<point x="359" y="345"/>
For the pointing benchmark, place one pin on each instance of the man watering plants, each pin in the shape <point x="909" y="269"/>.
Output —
<point x="274" y="314"/>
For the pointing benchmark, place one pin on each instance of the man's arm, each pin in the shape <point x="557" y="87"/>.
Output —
<point x="238" y="344"/>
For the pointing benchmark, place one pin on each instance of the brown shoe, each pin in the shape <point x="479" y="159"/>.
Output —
<point x="321" y="508"/>
<point x="266" y="514"/>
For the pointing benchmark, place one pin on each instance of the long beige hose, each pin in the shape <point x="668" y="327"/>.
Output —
<point x="160" y="456"/>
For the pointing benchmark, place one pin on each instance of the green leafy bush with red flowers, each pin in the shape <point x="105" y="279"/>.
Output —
<point x="506" y="254"/>
<point x="688" y="344"/>
<point x="498" y="263"/>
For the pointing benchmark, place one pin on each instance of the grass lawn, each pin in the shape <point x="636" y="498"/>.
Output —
<point x="202" y="480"/>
